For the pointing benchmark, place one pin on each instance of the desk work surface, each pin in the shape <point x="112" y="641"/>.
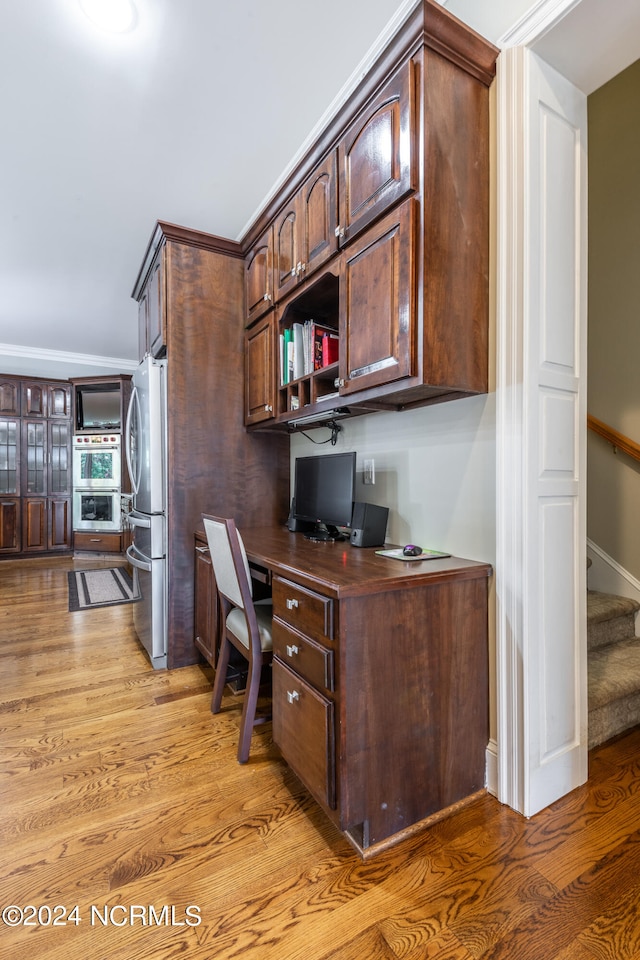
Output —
<point x="344" y="570"/>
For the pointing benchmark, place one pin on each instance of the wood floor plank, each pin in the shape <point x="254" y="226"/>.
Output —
<point x="120" y="790"/>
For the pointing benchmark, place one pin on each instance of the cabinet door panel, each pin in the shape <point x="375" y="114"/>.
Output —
<point x="34" y="399"/>
<point x="376" y="156"/>
<point x="34" y="456"/>
<point x="9" y="398"/>
<point x="259" y="277"/>
<point x="59" y="523"/>
<point x="319" y="215"/>
<point x="205" y="605"/>
<point x="9" y="456"/>
<point x="303" y="729"/>
<point x="9" y="526"/>
<point x="378" y="342"/>
<point x="156" y="319"/>
<point x="59" y="400"/>
<point x="60" y="457"/>
<point x="287" y="253"/>
<point x="259" y="372"/>
<point x="34" y="524"/>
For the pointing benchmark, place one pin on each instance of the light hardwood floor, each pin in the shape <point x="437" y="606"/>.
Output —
<point x="121" y="792"/>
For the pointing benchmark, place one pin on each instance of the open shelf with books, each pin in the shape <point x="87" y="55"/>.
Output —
<point x="308" y="346"/>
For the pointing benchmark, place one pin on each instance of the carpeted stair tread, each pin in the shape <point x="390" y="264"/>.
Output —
<point x="614" y="672"/>
<point x="606" y="606"/>
<point x="609" y="619"/>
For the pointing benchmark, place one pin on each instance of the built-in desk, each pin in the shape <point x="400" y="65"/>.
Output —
<point x="380" y="680"/>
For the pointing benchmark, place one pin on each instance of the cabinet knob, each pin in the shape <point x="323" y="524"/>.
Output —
<point x="339" y="232"/>
<point x="338" y="382"/>
<point x="300" y="268"/>
<point x="292" y="696"/>
<point x="292" y="650"/>
<point x="268" y="408"/>
<point x="292" y="604"/>
<point x="267" y="296"/>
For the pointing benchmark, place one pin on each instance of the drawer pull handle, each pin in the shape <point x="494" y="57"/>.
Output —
<point x="292" y="696"/>
<point x="292" y="650"/>
<point x="292" y="604"/>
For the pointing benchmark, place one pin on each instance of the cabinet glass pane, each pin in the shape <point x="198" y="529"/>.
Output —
<point x="9" y="456"/>
<point x="35" y="437"/>
<point x="59" y="452"/>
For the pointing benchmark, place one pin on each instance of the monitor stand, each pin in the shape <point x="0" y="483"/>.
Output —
<point x="323" y="532"/>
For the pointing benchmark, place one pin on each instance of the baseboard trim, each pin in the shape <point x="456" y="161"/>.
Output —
<point x="607" y="575"/>
<point x="491" y="768"/>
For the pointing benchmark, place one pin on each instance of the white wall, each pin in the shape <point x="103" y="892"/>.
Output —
<point x="435" y="470"/>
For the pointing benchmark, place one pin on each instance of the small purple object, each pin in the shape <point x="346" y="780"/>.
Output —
<point x="411" y="550"/>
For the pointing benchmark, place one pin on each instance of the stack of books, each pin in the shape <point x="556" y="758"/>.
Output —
<point x="305" y="347"/>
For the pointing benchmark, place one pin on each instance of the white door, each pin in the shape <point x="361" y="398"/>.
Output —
<point x="541" y="414"/>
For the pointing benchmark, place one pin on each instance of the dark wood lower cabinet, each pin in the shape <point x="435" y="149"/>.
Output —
<point x="305" y="725"/>
<point x="380" y="680"/>
<point x="10" y="539"/>
<point x="46" y="524"/>
<point x="205" y="604"/>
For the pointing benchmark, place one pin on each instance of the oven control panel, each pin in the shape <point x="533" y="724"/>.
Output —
<point x="92" y="440"/>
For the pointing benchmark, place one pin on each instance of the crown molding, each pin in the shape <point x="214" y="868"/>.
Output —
<point x="536" y="22"/>
<point x="60" y="356"/>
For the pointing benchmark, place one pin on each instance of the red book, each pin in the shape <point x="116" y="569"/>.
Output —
<point x="330" y="342"/>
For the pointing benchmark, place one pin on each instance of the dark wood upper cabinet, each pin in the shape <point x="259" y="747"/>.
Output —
<point x="376" y="156"/>
<point x="259" y="277"/>
<point x="9" y="456"/>
<point x="320" y="215"/>
<point x="34" y="399"/>
<point x="305" y="229"/>
<point x="152" y="315"/>
<point x="379" y="322"/>
<point x="259" y="377"/>
<point x="59" y="401"/>
<point x="9" y="398"/>
<point x="406" y="157"/>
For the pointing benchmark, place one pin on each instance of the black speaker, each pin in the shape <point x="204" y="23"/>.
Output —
<point x="297" y="526"/>
<point x="368" y="524"/>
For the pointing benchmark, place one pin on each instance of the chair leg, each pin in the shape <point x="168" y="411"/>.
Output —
<point x="249" y="710"/>
<point x="221" y="675"/>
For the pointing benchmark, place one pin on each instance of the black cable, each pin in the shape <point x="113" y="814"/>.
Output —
<point x="333" y="439"/>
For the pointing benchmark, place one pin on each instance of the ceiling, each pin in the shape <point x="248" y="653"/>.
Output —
<point x="190" y="117"/>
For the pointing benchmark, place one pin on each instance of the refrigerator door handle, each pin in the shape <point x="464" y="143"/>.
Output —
<point x="133" y="560"/>
<point x="133" y="402"/>
<point x="137" y="520"/>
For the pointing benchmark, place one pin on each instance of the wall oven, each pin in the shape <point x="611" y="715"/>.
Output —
<point x="97" y="509"/>
<point x="97" y="482"/>
<point x="96" y="461"/>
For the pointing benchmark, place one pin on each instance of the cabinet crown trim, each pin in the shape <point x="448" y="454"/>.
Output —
<point x="164" y="231"/>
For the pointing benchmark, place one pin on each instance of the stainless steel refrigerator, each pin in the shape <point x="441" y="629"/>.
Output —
<point x="146" y="455"/>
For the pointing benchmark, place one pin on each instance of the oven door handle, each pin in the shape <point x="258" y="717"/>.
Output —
<point x="133" y="560"/>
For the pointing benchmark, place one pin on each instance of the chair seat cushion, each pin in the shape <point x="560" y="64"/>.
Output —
<point x="237" y="625"/>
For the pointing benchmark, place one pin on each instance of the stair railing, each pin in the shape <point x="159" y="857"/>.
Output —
<point x="617" y="440"/>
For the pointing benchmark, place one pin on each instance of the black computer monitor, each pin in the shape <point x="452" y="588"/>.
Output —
<point x="324" y="491"/>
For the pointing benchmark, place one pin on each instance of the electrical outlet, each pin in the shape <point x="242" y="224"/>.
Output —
<point x="369" y="472"/>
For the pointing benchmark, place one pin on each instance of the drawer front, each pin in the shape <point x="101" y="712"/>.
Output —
<point x="304" y="730"/>
<point x="304" y="610"/>
<point x="305" y="656"/>
<point x="102" y="542"/>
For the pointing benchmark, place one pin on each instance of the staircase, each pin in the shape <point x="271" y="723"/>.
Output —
<point x="613" y="666"/>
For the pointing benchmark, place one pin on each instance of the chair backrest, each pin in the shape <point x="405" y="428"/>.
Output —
<point x="229" y="559"/>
